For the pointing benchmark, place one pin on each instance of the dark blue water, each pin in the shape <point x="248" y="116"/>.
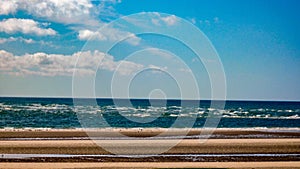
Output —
<point x="61" y="113"/>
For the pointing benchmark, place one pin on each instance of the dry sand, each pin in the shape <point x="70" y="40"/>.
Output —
<point x="186" y="146"/>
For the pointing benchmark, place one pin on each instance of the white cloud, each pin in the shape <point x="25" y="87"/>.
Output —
<point x="28" y="41"/>
<point x="7" y="7"/>
<point x="158" y="67"/>
<point x="90" y="35"/>
<point x="106" y="9"/>
<point x="169" y="20"/>
<point x="81" y="16"/>
<point x="4" y="40"/>
<point x="13" y="39"/>
<point x="62" y="65"/>
<point x="62" y="11"/>
<point x="25" y="26"/>
<point x="110" y="34"/>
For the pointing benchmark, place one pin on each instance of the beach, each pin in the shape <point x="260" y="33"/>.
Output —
<point x="50" y="133"/>
<point x="72" y="148"/>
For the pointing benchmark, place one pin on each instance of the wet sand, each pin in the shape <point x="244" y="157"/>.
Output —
<point x="148" y="132"/>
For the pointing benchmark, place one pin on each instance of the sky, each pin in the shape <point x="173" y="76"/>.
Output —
<point x="83" y="48"/>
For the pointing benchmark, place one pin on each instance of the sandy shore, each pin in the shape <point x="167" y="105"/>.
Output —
<point x="252" y="148"/>
<point x="186" y="146"/>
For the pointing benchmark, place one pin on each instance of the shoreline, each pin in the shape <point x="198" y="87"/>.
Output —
<point x="156" y="128"/>
<point x="156" y="133"/>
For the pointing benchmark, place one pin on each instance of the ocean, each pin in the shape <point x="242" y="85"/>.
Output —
<point x="60" y="113"/>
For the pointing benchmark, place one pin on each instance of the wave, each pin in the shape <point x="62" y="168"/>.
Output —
<point x="55" y="113"/>
<point x="171" y="111"/>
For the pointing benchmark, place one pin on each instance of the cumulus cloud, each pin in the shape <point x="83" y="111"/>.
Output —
<point x="109" y="34"/>
<point x="62" y="11"/>
<point x="63" y="65"/>
<point x="82" y="16"/>
<point x="90" y="35"/>
<point x="168" y="20"/>
<point x="25" y="26"/>
<point x="8" y="6"/>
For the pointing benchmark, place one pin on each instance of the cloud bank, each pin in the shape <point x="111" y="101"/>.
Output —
<point x="82" y="16"/>
<point x="63" y="65"/>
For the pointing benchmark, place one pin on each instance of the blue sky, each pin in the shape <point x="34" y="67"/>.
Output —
<point x="258" y="43"/>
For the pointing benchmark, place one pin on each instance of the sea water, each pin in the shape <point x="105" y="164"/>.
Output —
<point x="61" y="113"/>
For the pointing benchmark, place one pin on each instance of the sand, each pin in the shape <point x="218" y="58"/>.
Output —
<point x="187" y="146"/>
<point x="77" y="142"/>
<point x="148" y="132"/>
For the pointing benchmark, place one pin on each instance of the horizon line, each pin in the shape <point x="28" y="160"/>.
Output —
<point x="140" y="98"/>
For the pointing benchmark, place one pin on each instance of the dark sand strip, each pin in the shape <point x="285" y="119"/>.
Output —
<point x="153" y="158"/>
